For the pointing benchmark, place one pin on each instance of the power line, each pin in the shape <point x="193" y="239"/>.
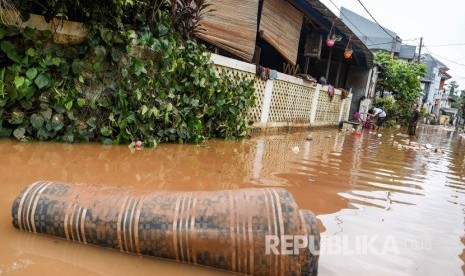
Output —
<point x="431" y="54"/>
<point x="447" y="45"/>
<point x="350" y="21"/>
<point x="372" y="43"/>
<point x="385" y="43"/>
<point x="376" y="21"/>
<point x="461" y="64"/>
<point x="432" y="58"/>
<point x="411" y="39"/>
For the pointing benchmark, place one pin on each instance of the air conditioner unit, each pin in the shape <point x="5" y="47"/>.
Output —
<point x="313" y="45"/>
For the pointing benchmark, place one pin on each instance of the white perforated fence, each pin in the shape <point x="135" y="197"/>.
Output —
<point x="287" y="101"/>
<point x="254" y="113"/>
<point x="328" y="110"/>
<point x="291" y="102"/>
<point x="346" y="109"/>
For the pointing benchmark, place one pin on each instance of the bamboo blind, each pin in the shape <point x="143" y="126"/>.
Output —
<point x="232" y="26"/>
<point x="280" y="25"/>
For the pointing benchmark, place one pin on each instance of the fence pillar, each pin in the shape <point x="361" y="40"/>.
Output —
<point x="267" y="101"/>
<point x="347" y="115"/>
<point x="341" y="111"/>
<point x="315" y="104"/>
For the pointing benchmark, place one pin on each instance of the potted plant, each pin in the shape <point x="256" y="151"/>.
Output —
<point x="348" y="52"/>
<point x="332" y="38"/>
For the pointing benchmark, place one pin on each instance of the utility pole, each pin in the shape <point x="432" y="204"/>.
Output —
<point x="394" y="46"/>
<point x="419" y="50"/>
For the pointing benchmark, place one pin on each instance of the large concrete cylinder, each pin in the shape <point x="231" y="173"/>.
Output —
<point x="235" y="230"/>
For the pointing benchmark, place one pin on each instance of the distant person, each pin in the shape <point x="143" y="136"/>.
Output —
<point x="413" y="124"/>
<point x="432" y="119"/>
<point x="380" y="116"/>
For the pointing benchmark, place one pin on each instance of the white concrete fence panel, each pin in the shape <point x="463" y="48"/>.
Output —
<point x="288" y="101"/>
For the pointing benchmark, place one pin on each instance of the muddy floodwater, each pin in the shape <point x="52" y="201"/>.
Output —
<point x="382" y="209"/>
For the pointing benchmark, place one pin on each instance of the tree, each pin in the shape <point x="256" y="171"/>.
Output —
<point x="460" y="105"/>
<point x="453" y="88"/>
<point x="402" y="78"/>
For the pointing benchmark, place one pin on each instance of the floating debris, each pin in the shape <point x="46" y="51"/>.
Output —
<point x="295" y="150"/>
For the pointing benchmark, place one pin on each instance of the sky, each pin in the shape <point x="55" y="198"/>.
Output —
<point x="438" y="22"/>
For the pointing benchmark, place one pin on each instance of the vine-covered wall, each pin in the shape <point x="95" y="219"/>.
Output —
<point x="152" y="84"/>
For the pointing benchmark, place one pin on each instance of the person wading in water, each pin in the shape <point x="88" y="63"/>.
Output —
<point x="412" y="127"/>
<point x="380" y="116"/>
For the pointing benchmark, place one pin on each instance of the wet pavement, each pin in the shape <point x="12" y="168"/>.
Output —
<point x="382" y="208"/>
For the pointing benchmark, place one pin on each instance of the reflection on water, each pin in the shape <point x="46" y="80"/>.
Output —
<point x="359" y="187"/>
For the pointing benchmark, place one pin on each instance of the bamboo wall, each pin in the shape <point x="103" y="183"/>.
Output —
<point x="232" y="26"/>
<point x="280" y="25"/>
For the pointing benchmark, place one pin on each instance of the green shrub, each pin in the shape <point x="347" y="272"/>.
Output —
<point x="424" y="112"/>
<point x="117" y="87"/>
<point x="386" y="104"/>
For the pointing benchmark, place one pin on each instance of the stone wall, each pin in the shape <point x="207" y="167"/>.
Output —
<point x="64" y="32"/>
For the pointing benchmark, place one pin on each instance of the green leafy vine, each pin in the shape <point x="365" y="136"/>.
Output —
<point x="119" y="86"/>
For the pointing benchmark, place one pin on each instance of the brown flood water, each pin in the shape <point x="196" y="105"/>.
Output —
<point x="381" y="210"/>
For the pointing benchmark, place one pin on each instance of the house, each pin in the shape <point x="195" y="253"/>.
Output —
<point x="288" y="37"/>
<point x="433" y="84"/>
<point x="273" y="32"/>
